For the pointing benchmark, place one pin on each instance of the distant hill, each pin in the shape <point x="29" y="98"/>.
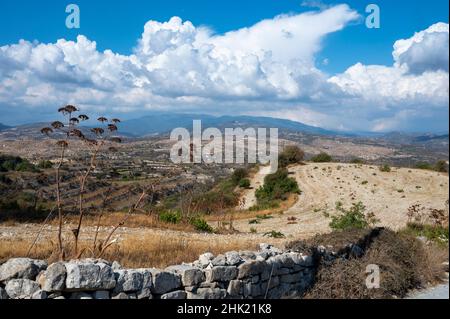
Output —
<point x="431" y="137"/>
<point x="160" y="123"/>
<point x="3" y="127"/>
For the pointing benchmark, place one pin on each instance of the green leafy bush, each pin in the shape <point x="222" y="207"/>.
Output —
<point x="15" y="163"/>
<point x="385" y="168"/>
<point x="423" y="165"/>
<point x="244" y="183"/>
<point x="435" y="233"/>
<point x="201" y="225"/>
<point x="357" y="161"/>
<point x="322" y="158"/>
<point x="276" y="186"/>
<point x="171" y="217"/>
<point x="441" y="166"/>
<point x="274" y="234"/>
<point x="291" y="155"/>
<point x="265" y="205"/>
<point x="353" y="218"/>
<point x="238" y="175"/>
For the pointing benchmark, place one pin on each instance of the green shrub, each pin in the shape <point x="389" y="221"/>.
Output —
<point x="424" y="165"/>
<point x="45" y="164"/>
<point x="201" y="225"/>
<point x="357" y="161"/>
<point x="322" y="158"/>
<point x="171" y="217"/>
<point x="244" y="183"/>
<point x="435" y="233"/>
<point x="265" y="205"/>
<point x="385" y="168"/>
<point x="274" y="234"/>
<point x="264" y="216"/>
<point x="238" y="175"/>
<point x="353" y="218"/>
<point x="291" y="155"/>
<point x="276" y="187"/>
<point x="441" y="166"/>
<point x="15" y="163"/>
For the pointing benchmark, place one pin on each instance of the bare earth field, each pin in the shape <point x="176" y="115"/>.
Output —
<point x="387" y="194"/>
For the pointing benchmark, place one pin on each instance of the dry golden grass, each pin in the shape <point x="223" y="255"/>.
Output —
<point x="133" y="221"/>
<point x="249" y="214"/>
<point x="150" y="250"/>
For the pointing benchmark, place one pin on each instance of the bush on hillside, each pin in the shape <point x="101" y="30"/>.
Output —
<point x="441" y="166"/>
<point x="244" y="183"/>
<point x="15" y="163"/>
<point x="322" y="158"/>
<point x="353" y="218"/>
<point x="238" y="175"/>
<point x="201" y="225"/>
<point x="291" y="155"/>
<point x="276" y="186"/>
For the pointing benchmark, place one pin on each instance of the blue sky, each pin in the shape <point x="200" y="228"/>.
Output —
<point x="119" y="25"/>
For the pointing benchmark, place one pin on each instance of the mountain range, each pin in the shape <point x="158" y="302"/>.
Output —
<point x="159" y="123"/>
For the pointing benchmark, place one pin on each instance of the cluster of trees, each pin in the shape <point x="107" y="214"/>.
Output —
<point x="16" y="163"/>
<point x="439" y="166"/>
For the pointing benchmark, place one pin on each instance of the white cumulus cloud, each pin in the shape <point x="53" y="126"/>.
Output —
<point x="268" y="68"/>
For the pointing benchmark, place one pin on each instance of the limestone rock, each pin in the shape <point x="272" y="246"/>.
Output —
<point x="40" y="294"/>
<point x="233" y="258"/>
<point x="21" y="288"/>
<point x="235" y="288"/>
<point x="205" y="259"/>
<point x="54" y="278"/>
<point x="21" y="268"/>
<point x="190" y="276"/>
<point x="221" y="273"/>
<point x="164" y="281"/>
<point x="220" y="260"/>
<point x="86" y="275"/>
<point x="253" y="267"/>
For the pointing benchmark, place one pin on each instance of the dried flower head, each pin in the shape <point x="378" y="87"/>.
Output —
<point x="46" y="130"/>
<point x="112" y="127"/>
<point x="97" y="130"/>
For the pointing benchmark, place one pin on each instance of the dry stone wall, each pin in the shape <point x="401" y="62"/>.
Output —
<point x="268" y="273"/>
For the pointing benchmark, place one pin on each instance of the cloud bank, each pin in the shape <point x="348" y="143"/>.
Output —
<point x="266" y="69"/>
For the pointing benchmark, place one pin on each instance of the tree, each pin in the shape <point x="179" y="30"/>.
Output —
<point x="441" y="166"/>
<point x="291" y="154"/>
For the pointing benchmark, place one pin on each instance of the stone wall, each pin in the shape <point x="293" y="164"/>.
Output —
<point x="269" y="273"/>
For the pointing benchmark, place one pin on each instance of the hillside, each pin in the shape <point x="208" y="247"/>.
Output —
<point x="387" y="195"/>
<point x="159" y="123"/>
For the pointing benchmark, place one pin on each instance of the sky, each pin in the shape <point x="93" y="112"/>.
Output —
<point x="305" y="60"/>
